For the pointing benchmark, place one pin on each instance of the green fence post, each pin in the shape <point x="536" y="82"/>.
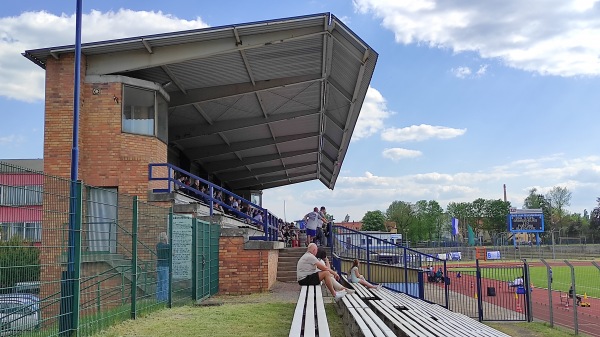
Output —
<point x="170" y="288"/>
<point x="77" y="257"/>
<point x="194" y="259"/>
<point x="134" y="266"/>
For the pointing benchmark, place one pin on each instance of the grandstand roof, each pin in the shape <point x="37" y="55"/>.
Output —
<point x="260" y="104"/>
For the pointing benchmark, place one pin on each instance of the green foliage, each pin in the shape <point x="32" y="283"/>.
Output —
<point x="402" y="213"/>
<point x="559" y="198"/>
<point x="373" y="221"/>
<point x="19" y="262"/>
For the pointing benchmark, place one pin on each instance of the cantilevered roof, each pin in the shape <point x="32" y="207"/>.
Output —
<point x="260" y="104"/>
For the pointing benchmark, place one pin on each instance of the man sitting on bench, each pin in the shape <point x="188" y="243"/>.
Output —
<point x="310" y="272"/>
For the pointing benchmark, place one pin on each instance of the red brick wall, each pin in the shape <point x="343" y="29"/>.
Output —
<point x="243" y="271"/>
<point x="107" y="157"/>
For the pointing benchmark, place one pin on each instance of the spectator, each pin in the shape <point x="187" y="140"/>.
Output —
<point x="572" y="295"/>
<point x="309" y="271"/>
<point x="356" y="277"/>
<point x="322" y="257"/>
<point x="163" y="255"/>
<point x="439" y="275"/>
<point x="312" y="220"/>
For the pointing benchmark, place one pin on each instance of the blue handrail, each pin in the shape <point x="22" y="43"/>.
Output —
<point x="269" y="223"/>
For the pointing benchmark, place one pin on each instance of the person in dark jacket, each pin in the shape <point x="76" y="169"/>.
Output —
<point x="163" y="255"/>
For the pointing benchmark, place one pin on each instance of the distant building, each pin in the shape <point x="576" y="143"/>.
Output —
<point x="21" y="199"/>
<point x="390" y="226"/>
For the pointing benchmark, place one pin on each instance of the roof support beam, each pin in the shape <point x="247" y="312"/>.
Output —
<point x="236" y="124"/>
<point x="130" y="60"/>
<point x="281" y="177"/>
<point x="223" y="91"/>
<point x="281" y="183"/>
<point x="239" y="175"/>
<point x="223" y="165"/>
<point x="216" y="150"/>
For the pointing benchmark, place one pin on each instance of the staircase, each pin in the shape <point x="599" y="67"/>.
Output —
<point x="288" y="259"/>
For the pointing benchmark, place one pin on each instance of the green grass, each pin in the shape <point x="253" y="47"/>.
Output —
<point x="533" y="329"/>
<point x="230" y="319"/>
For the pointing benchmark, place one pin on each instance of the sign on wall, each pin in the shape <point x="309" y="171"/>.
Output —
<point x="182" y="247"/>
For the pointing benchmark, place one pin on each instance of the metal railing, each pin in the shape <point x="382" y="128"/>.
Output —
<point x="268" y="222"/>
<point x="392" y="265"/>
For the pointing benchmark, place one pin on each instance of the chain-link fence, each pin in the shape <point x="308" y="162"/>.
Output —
<point x="76" y="265"/>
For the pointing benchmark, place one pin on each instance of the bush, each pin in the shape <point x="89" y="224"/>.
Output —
<point x="19" y="262"/>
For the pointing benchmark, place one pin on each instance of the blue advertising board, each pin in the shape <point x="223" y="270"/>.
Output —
<point x="526" y="222"/>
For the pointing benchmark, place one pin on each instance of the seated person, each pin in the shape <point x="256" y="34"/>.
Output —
<point x="322" y="256"/>
<point x="518" y="282"/>
<point x="310" y="271"/>
<point x="439" y="275"/>
<point x="356" y="277"/>
<point x="576" y="296"/>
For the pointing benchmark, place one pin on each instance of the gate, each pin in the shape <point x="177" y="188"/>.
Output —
<point x="205" y="266"/>
<point x="491" y="292"/>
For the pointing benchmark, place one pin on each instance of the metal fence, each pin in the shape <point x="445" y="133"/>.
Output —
<point x="109" y="272"/>
<point x="567" y="293"/>
<point x="394" y="266"/>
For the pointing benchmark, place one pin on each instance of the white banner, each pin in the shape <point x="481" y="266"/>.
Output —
<point x="182" y="247"/>
<point x="493" y="255"/>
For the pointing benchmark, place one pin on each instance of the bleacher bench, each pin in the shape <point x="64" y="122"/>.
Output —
<point x="360" y="320"/>
<point x="361" y="290"/>
<point x="413" y="317"/>
<point x="310" y="318"/>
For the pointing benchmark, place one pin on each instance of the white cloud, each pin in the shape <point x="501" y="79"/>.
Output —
<point x="357" y="194"/>
<point x="466" y="72"/>
<point x="553" y="37"/>
<point x="482" y="70"/>
<point x="10" y="139"/>
<point x="397" y="153"/>
<point x="461" y="72"/>
<point x="372" y="115"/>
<point x="420" y="133"/>
<point x="22" y="80"/>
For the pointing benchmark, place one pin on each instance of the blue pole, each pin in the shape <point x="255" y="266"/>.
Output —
<point x="75" y="145"/>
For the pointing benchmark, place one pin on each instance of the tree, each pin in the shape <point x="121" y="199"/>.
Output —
<point x="402" y="213"/>
<point x="463" y="212"/>
<point x="19" y="262"/>
<point x="495" y="216"/>
<point x="373" y="221"/>
<point x="537" y="200"/>
<point x="559" y="198"/>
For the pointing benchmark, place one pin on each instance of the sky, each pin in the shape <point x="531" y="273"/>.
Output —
<point x="466" y="95"/>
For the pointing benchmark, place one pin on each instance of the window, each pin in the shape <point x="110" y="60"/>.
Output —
<point x="21" y="195"/>
<point x="29" y="231"/>
<point x="144" y="112"/>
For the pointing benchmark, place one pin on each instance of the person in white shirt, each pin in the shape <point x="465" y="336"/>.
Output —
<point x="310" y="271"/>
<point x="312" y="219"/>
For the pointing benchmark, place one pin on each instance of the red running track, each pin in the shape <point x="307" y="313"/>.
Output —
<point x="588" y="317"/>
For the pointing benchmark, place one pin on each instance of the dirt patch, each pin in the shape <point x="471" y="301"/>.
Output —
<point x="281" y="292"/>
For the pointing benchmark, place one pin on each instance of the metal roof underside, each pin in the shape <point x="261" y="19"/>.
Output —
<point x="260" y="105"/>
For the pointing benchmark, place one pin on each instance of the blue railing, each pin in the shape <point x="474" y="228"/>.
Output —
<point x="390" y="259"/>
<point x="269" y="223"/>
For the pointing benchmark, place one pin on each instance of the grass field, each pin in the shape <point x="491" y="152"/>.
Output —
<point x="244" y="319"/>
<point x="587" y="278"/>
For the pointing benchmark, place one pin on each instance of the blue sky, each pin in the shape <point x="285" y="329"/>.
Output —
<point x="466" y="96"/>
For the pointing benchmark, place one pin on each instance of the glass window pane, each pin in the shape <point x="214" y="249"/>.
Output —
<point x="138" y="111"/>
<point x="162" y="122"/>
